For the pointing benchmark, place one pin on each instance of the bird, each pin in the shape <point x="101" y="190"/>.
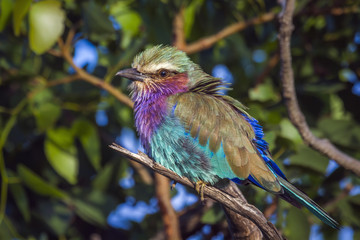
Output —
<point x="186" y="124"/>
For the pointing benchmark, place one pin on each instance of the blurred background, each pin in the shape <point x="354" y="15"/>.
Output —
<point x="59" y="178"/>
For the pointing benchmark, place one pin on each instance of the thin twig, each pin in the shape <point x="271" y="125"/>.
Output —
<point x="273" y="61"/>
<point x="64" y="80"/>
<point x="207" y="42"/>
<point x="235" y="204"/>
<point x="323" y="146"/>
<point x="92" y="79"/>
<point x="336" y="11"/>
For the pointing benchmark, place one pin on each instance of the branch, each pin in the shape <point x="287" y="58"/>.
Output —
<point x="273" y="61"/>
<point x="271" y="208"/>
<point x="65" y="50"/>
<point x="237" y="205"/>
<point x="189" y="220"/>
<point x="336" y="11"/>
<point x="241" y="228"/>
<point x="178" y="30"/>
<point x="207" y="42"/>
<point x="170" y="219"/>
<point x="323" y="146"/>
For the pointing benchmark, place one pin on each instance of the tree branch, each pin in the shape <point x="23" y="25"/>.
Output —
<point x="207" y="42"/>
<point x="237" y="205"/>
<point x="324" y="146"/>
<point x="178" y="30"/>
<point x="241" y="228"/>
<point x="272" y="63"/>
<point x="170" y="219"/>
<point x="65" y="50"/>
<point x="336" y="11"/>
<point x="189" y="220"/>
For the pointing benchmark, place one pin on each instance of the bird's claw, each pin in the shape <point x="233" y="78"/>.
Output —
<point x="199" y="187"/>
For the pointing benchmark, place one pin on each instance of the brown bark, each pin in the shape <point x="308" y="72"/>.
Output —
<point x="170" y="219"/>
<point x="323" y="146"/>
<point x="241" y="228"/>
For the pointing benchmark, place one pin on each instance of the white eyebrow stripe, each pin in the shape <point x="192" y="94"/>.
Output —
<point x="151" y="68"/>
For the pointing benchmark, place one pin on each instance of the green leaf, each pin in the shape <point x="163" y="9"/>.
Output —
<point x="297" y="225"/>
<point x="212" y="216"/>
<point x="45" y="110"/>
<point x="104" y="177"/>
<point x="46" y="20"/>
<point x="347" y="212"/>
<point x="346" y="75"/>
<point x="46" y="115"/>
<point x="289" y="131"/>
<point x="327" y="88"/>
<point x="270" y="138"/>
<point x="89" y="139"/>
<point x="337" y="130"/>
<point x="6" y="228"/>
<point x="320" y="22"/>
<point x="97" y="22"/>
<point x="21" y="199"/>
<point x="55" y="215"/>
<point x="89" y="213"/>
<point x="62" y="153"/>
<point x="337" y="108"/>
<point x="6" y="7"/>
<point x="123" y="114"/>
<point x="129" y="20"/>
<point x="189" y="15"/>
<point x="37" y="184"/>
<point x="20" y="10"/>
<point x="354" y="199"/>
<point x="306" y="157"/>
<point x="263" y="92"/>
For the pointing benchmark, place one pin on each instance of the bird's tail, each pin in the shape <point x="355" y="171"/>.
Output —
<point x="308" y="203"/>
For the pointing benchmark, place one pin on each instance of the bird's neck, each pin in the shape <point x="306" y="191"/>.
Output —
<point x="150" y="109"/>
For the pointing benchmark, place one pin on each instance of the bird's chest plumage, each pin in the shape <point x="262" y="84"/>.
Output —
<point x="174" y="148"/>
<point x="166" y="141"/>
<point x="148" y="116"/>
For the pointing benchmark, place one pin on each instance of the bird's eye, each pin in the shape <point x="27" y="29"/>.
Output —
<point x="163" y="73"/>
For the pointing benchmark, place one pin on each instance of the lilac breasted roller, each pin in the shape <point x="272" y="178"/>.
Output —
<point x="187" y="125"/>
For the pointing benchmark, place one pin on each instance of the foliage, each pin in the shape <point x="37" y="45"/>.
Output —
<point x="59" y="179"/>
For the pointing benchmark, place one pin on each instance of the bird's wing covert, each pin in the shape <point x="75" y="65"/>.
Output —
<point x="216" y="124"/>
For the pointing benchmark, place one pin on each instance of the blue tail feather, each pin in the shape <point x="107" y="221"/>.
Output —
<point x="308" y="203"/>
<point x="291" y="194"/>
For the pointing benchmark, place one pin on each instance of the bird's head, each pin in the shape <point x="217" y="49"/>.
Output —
<point x="162" y="70"/>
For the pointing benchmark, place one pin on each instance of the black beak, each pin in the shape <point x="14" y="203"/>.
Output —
<point x="132" y="74"/>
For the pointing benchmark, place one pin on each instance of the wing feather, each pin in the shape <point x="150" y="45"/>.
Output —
<point x="219" y="126"/>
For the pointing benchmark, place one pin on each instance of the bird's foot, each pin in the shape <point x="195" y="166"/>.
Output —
<point x="199" y="187"/>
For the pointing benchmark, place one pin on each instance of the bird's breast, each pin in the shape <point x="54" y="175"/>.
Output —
<point x="148" y="117"/>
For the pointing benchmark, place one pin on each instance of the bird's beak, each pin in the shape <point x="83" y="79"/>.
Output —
<point x="132" y="74"/>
